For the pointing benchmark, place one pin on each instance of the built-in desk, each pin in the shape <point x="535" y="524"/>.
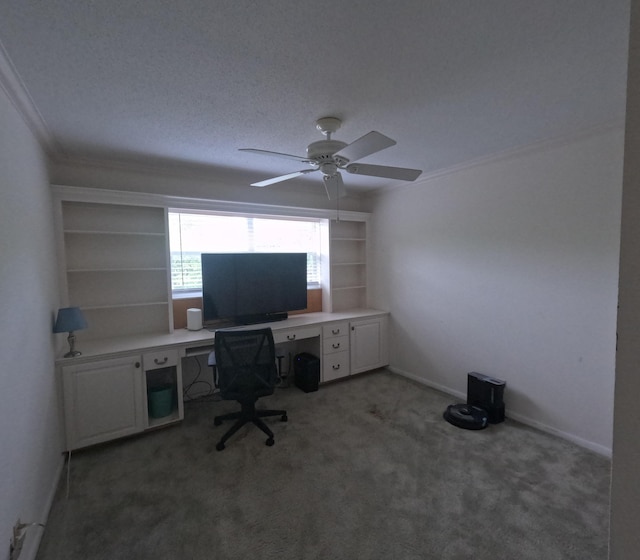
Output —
<point x="105" y="389"/>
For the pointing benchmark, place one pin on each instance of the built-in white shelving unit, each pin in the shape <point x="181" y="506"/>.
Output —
<point x="116" y="267"/>
<point x="348" y="275"/>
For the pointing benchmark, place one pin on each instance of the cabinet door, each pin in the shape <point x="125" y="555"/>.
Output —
<point x="369" y="345"/>
<point x="102" y="400"/>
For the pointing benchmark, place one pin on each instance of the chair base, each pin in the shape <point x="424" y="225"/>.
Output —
<point x="247" y="414"/>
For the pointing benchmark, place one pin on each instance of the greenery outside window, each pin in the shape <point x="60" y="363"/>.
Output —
<point x="193" y="233"/>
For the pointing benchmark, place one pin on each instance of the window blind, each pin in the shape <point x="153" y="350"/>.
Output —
<point x="191" y="234"/>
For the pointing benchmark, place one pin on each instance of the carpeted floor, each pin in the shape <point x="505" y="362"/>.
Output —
<point x="365" y="468"/>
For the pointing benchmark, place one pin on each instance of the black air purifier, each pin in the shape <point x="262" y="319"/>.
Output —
<point x="306" y="368"/>
<point x="487" y="393"/>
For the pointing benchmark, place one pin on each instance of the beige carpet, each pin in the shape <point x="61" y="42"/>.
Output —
<point x="365" y="468"/>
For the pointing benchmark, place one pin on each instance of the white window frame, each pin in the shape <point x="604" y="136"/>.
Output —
<point x="178" y="293"/>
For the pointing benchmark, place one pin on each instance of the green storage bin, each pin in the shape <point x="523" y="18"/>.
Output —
<point x="160" y="400"/>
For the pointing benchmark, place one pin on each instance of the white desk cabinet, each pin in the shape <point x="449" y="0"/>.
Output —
<point x="355" y="346"/>
<point x="335" y="351"/>
<point x="105" y="389"/>
<point x="369" y="344"/>
<point x="104" y="400"/>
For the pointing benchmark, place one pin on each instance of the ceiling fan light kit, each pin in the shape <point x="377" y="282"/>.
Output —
<point x="330" y="156"/>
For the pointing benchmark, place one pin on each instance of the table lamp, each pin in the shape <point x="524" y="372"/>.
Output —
<point x="70" y="319"/>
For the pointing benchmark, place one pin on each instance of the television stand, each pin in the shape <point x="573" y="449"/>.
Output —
<point x="266" y="318"/>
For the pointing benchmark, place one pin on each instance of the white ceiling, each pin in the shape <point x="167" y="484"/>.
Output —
<point x="165" y="82"/>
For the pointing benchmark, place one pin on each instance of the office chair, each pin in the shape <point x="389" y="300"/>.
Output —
<point x="244" y="363"/>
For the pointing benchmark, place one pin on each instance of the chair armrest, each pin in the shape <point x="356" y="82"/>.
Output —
<point x="211" y="360"/>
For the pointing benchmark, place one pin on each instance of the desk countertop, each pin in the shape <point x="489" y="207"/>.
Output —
<point x="185" y="339"/>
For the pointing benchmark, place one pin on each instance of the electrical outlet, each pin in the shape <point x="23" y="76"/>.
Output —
<point x="17" y="540"/>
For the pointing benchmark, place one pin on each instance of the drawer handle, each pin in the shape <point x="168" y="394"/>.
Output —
<point x="291" y="337"/>
<point x="335" y="346"/>
<point x="137" y="364"/>
<point x="160" y="362"/>
<point x="336" y="367"/>
<point x="335" y="331"/>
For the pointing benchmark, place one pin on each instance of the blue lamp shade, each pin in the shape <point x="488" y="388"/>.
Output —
<point x="70" y="319"/>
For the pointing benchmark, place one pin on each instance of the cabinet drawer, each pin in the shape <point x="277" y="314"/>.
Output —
<point x="290" y="335"/>
<point x="335" y="344"/>
<point x="335" y="365"/>
<point x="160" y="359"/>
<point x="335" y="329"/>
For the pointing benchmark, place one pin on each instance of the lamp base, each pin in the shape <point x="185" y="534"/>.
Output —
<point x="72" y="353"/>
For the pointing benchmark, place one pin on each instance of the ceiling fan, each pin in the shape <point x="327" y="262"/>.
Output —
<point x="331" y="156"/>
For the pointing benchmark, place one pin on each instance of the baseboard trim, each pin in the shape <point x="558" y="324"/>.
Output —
<point x="595" y="447"/>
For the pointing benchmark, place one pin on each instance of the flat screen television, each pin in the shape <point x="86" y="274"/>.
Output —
<point x="248" y="288"/>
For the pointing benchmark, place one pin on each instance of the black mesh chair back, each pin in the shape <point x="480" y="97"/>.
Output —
<point x="245" y="370"/>
<point x="246" y="363"/>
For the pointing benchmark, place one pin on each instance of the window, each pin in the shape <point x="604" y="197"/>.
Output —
<point x="191" y="234"/>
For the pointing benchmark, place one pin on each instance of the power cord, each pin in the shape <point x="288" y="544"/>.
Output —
<point x="283" y="376"/>
<point x="197" y="381"/>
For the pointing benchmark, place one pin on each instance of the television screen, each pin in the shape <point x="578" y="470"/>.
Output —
<point x="253" y="287"/>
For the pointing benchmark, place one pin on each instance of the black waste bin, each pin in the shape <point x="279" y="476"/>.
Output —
<point x="306" y="368"/>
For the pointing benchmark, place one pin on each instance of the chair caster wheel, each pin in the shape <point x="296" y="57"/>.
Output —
<point x="270" y="442"/>
<point x="284" y="418"/>
<point x="217" y="421"/>
<point x="220" y="446"/>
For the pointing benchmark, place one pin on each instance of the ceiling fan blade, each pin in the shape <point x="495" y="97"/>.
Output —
<point x="277" y="154"/>
<point x="333" y="185"/>
<point x="293" y="175"/>
<point x="402" y="173"/>
<point x="366" y="145"/>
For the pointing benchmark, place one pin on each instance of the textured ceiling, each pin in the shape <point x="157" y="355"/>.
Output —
<point x="161" y="82"/>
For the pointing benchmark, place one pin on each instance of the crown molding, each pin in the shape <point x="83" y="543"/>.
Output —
<point x="17" y="93"/>
<point x="510" y="154"/>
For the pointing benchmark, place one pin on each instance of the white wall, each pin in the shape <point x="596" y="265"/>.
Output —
<point x="30" y="431"/>
<point x="625" y="487"/>
<point x="196" y="183"/>
<point x="509" y="268"/>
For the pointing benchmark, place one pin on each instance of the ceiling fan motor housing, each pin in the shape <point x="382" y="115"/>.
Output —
<point x="323" y="150"/>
